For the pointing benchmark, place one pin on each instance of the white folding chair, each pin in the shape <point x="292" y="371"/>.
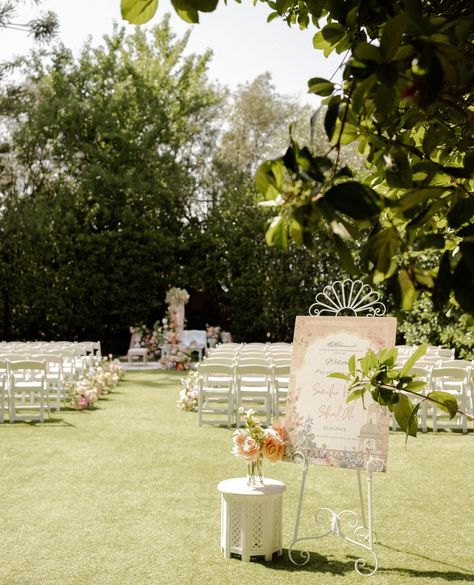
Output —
<point x="27" y="390"/>
<point x="455" y="381"/>
<point x="257" y="361"/>
<point x="54" y="378"/>
<point x="3" y="395"/>
<point x="216" y="394"/>
<point x="254" y="390"/>
<point x="281" y="378"/>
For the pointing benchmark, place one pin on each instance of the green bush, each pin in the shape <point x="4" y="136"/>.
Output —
<point x="452" y="329"/>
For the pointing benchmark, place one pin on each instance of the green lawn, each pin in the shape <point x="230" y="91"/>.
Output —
<point x="126" y="495"/>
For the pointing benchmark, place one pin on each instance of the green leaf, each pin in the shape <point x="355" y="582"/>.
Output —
<point x="385" y="99"/>
<point x="355" y="394"/>
<point x="411" y="361"/>
<point x="408" y="292"/>
<point x="382" y="248"/>
<point x="398" y="172"/>
<point x="276" y="234"/>
<point x="354" y="199"/>
<point x="366" y="52"/>
<point x="415" y="386"/>
<point x="320" y="86"/>
<point x="431" y="139"/>
<point x="417" y="197"/>
<point x="443" y="283"/>
<point x="333" y="33"/>
<point x="388" y="356"/>
<point x="204" y="5"/>
<point x="387" y="73"/>
<point x="270" y="177"/>
<point x="138" y="11"/>
<point x="186" y="11"/>
<point x="339" y="376"/>
<point x="345" y="256"/>
<point x="436" y="241"/>
<point x="403" y="411"/>
<point x="444" y="401"/>
<point x="463" y="280"/>
<point x="392" y="36"/>
<point x="369" y="362"/>
<point x="352" y="364"/>
<point x="330" y="119"/>
<point x="462" y="212"/>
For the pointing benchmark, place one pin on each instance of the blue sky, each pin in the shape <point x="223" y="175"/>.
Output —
<point x="243" y="43"/>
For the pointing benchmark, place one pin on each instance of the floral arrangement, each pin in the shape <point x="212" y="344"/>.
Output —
<point x="189" y="394"/>
<point x="177" y="358"/>
<point x="166" y="331"/>
<point x="253" y="443"/>
<point x="214" y="333"/>
<point x="176" y="296"/>
<point x="147" y="338"/>
<point x="84" y="393"/>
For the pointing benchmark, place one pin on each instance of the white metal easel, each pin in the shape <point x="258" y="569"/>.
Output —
<point x="342" y="298"/>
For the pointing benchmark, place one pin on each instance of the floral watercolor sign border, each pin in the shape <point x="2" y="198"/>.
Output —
<point x="319" y="421"/>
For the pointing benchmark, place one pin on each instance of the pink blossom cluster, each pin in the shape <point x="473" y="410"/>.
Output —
<point x="84" y="393"/>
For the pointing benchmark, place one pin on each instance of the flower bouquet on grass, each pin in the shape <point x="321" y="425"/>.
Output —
<point x="177" y="358"/>
<point x="189" y="394"/>
<point x="253" y="443"/>
<point x="84" y="393"/>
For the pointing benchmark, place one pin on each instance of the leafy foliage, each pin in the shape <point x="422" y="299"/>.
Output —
<point x="98" y="183"/>
<point x="394" y="387"/>
<point x="423" y="325"/>
<point x="406" y="98"/>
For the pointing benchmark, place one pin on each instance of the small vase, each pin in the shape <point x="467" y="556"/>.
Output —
<point x="255" y="473"/>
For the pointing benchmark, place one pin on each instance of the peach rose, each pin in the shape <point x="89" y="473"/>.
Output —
<point x="280" y="430"/>
<point x="273" y="447"/>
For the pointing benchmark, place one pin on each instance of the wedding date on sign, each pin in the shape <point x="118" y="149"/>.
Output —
<point x="319" y="420"/>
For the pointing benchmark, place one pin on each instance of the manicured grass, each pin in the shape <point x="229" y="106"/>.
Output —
<point x="126" y="495"/>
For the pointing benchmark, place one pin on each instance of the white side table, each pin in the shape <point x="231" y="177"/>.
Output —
<point x="251" y="518"/>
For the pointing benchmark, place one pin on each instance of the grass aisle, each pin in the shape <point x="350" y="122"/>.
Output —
<point x="126" y="495"/>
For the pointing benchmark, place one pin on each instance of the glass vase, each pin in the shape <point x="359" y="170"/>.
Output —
<point x="255" y="473"/>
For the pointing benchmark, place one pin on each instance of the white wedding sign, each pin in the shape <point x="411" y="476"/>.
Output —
<point x="319" y="420"/>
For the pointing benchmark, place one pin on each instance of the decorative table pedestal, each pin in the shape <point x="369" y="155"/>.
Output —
<point x="251" y="518"/>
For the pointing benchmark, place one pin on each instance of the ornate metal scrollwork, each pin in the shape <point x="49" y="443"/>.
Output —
<point x="348" y="298"/>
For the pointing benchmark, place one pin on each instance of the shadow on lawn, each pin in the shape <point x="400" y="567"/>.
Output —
<point x="48" y="422"/>
<point x="327" y="565"/>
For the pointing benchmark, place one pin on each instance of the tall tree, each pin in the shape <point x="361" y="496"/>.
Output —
<point x="106" y="146"/>
<point x="255" y="290"/>
<point x="407" y="98"/>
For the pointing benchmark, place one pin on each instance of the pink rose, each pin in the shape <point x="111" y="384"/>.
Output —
<point x="245" y="447"/>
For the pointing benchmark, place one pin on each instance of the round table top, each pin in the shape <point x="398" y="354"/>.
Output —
<point x="238" y="486"/>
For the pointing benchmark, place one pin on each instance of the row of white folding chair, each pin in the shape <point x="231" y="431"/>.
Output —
<point x="23" y="390"/>
<point x="71" y="365"/>
<point x="454" y="380"/>
<point x="225" y="387"/>
<point x="216" y="383"/>
<point x="443" y="352"/>
<point x="458" y="382"/>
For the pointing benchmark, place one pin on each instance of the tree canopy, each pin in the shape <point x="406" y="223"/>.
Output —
<point x="406" y="98"/>
<point x="125" y="172"/>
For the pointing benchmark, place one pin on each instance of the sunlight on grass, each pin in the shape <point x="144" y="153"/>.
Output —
<point x="126" y="495"/>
